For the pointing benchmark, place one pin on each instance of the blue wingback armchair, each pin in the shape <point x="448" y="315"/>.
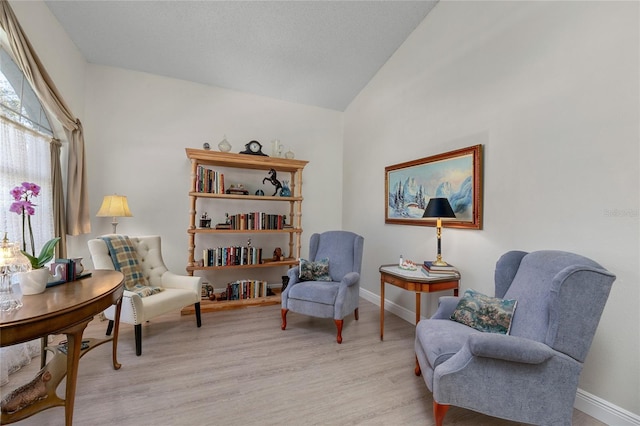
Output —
<point x="530" y="375"/>
<point x="328" y="299"/>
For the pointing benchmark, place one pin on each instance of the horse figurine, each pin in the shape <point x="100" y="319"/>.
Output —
<point x="272" y="178"/>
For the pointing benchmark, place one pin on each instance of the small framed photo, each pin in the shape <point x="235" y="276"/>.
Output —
<point x="207" y="290"/>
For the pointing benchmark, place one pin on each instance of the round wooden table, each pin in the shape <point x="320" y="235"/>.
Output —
<point x="63" y="309"/>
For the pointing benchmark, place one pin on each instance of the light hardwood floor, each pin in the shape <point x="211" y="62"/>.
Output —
<point x="241" y="369"/>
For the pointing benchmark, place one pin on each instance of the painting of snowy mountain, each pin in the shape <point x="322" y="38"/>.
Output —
<point x="409" y="188"/>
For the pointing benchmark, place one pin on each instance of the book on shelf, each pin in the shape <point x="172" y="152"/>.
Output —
<point x="255" y="221"/>
<point x="209" y="181"/>
<point x="246" y="289"/>
<point x="231" y="256"/>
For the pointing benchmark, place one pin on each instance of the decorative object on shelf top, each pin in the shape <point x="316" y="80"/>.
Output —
<point x="22" y="205"/>
<point x="237" y="189"/>
<point x="289" y="154"/>
<point x="114" y="206"/>
<point x="11" y="261"/>
<point x="205" y="221"/>
<point x="206" y="146"/>
<point x="277" y="254"/>
<point x="224" y="145"/>
<point x="272" y="177"/>
<point x="439" y="208"/>
<point x="276" y="148"/>
<point x="285" y="191"/>
<point x="253" y="148"/>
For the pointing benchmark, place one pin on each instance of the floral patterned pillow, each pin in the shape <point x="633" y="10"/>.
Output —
<point x="314" y="271"/>
<point x="485" y="313"/>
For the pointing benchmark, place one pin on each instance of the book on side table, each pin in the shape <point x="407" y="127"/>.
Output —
<point x="439" y="270"/>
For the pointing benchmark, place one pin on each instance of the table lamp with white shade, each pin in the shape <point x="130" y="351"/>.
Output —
<point x="114" y="206"/>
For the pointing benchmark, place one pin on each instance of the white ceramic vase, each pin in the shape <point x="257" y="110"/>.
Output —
<point x="34" y="281"/>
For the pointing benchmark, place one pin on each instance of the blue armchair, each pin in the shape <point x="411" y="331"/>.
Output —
<point x="336" y="298"/>
<point x="530" y="375"/>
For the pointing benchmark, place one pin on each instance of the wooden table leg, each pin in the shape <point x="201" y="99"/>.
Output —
<point x="116" y="326"/>
<point x="74" y="342"/>
<point x="44" y="341"/>
<point x="381" y="308"/>
<point x="417" y="307"/>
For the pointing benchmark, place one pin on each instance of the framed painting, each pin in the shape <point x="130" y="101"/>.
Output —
<point x="456" y="175"/>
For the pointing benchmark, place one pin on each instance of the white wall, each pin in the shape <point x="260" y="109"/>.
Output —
<point x="138" y="126"/>
<point x="551" y="91"/>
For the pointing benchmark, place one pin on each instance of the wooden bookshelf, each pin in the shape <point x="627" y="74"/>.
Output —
<point x="216" y="201"/>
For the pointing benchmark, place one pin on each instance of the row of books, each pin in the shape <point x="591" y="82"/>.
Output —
<point x="255" y="221"/>
<point x="246" y="289"/>
<point x="209" y="181"/>
<point x="69" y="270"/>
<point x="429" y="269"/>
<point x="230" y="256"/>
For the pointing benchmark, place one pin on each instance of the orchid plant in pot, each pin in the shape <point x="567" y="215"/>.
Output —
<point x="23" y="205"/>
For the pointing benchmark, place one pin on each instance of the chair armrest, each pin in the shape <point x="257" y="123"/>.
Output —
<point x="350" y="279"/>
<point x="446" y="306"/>
<point x="509" y="348"/>
<point x="131" y="307"/>
<point x="293" y="275"/>
<point x="183" y="282"/>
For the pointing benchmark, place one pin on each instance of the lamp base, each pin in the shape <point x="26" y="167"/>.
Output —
<point x="439" y="261"/>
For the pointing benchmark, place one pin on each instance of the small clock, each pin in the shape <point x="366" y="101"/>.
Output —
<point x="253" y="148"/>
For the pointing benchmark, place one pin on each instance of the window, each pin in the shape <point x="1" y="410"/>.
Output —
<point x="25" y="156"/>
<point x="18" y="100"/>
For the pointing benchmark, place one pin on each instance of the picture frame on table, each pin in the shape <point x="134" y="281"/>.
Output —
<point x="455" y="175"/>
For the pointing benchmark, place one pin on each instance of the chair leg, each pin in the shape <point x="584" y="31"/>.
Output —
<point x="283" y="313"/>
<point x="339" y="324"/>
<point x="109" y="328"/>
<point x="439" y="410"/>
<point x="357" y="314"/>
<point x="138" y="332"/>
<point x="198" y="316"/>
<point x="417" y="370"/>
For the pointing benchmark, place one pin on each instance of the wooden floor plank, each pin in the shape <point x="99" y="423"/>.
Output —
<point x="240" y="368"/>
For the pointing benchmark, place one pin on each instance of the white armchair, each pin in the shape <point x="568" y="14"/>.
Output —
<point x="178" y="290"/>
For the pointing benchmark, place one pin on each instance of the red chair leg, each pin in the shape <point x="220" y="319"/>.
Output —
<point x="357" y="314"/>
<point x="439" y="410"/>
<point x="417" y="370"/>
<point x="283" y="313"/>
<point x="339" y="325"/>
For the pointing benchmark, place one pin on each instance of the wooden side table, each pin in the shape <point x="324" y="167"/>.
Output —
<point x="66" y="308"/>
<point x="415" y="281"/>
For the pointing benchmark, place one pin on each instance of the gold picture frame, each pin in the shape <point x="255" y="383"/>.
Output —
<point x="456" y="175"/>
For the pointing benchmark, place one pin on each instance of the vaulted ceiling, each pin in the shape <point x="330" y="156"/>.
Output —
<point x="318" y="53"/>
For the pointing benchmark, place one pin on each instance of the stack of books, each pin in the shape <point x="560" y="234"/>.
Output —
<point x="431" y="270"/>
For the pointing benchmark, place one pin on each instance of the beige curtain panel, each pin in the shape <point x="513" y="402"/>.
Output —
<point x="77" y="212"/>
<point x="59" y="225"/>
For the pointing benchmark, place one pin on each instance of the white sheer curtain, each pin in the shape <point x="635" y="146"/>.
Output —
<point x="25" y="157"/>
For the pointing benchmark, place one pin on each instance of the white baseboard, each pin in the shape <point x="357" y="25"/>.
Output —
<point x="592" y="405"/>
<point x="604" y="411"/>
